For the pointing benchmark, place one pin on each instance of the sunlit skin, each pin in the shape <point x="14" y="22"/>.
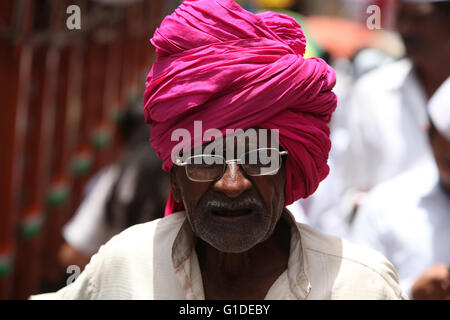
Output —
<point x="237" y="222"/>
<point x="425" y="30"/>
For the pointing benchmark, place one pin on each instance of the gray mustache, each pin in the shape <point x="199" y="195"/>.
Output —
<point x="247" y="203"/>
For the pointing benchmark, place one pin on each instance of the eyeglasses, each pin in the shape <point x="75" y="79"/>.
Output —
<point x="210" y="167"/>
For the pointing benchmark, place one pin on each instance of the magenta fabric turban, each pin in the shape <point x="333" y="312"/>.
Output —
<point x="230" y="68"/>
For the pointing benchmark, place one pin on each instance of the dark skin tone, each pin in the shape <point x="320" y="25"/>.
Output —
<point x="244" y="276"/>
<point x="425" y="30"/>
<point x="234" y="261"/>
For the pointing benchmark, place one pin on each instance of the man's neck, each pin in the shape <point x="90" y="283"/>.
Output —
<point x="432" y="74"/>
<point x="445" y="188"/>
<point x="236" y="275"/>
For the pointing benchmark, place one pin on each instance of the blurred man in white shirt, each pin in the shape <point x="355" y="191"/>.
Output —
<point x="408" y="218"/>
<point x="386" y="117"/>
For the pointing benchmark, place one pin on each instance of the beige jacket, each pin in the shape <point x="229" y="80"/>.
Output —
<point x="157" y="260"/>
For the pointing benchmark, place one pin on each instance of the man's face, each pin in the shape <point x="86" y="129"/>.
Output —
<point x="424" y="30"/>
<point x="235" y="212"/>
<point x="441" y="151"/>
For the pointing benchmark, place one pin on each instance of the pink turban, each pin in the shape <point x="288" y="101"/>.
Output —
<point x="230" y="68"/>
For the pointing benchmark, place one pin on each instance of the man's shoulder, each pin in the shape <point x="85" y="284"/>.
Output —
<point x="376" y="83"/>
<point x="327" y="245"/>
<point x="350" y="265"/>
<point x="391" y="74"/>
<point x="125" y="266"/>
<point x="374" y="96"/>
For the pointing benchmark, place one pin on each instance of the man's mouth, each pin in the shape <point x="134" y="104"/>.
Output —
<point x="231" y="213"/>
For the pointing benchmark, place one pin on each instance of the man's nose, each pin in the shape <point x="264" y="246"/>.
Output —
<point x="233" y="182"/>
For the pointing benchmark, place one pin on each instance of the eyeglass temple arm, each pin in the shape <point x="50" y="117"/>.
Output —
<point x="180" y="164"/>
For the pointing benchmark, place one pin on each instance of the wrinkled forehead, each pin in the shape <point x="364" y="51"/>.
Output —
<point x="228" y="143"/>
<point x="243" y="140"/>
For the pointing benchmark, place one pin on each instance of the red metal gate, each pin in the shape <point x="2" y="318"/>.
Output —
<point x="61" y="90"/>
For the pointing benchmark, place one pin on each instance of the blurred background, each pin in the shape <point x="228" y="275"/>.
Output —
<point x="75" y="163"/>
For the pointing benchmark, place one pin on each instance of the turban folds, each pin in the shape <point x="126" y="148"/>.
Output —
<point x="230" y="68"/>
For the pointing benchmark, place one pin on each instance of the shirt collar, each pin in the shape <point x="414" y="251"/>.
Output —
<point x="404" y="73"/>
<point x="402" y="79"/>
<point x="187" y="269"/>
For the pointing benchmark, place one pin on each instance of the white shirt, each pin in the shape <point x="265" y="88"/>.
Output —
<point x="386" y="122"/>
<point x="381" y="133"/>
<point x="157" y="260"/>
<point x="88" y="229"/>
<point x="408" y="220"/>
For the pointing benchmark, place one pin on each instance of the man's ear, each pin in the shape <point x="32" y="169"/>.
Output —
<point x="174" y="185"/>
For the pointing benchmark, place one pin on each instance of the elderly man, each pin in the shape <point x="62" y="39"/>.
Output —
<point x="227" y="234"/>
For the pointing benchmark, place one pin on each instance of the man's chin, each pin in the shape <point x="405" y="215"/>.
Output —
<point x="231" y="246"/>
<point x="231" y="239"/>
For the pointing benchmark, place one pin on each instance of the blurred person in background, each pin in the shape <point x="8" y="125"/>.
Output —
<point x="131" y="191"/>
<point x="352" y="50"/>
<point x="408" y="218"/>
<point x="386" y="114"/>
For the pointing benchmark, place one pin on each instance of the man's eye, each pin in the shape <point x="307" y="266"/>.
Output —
<point x="200" y="165"/>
